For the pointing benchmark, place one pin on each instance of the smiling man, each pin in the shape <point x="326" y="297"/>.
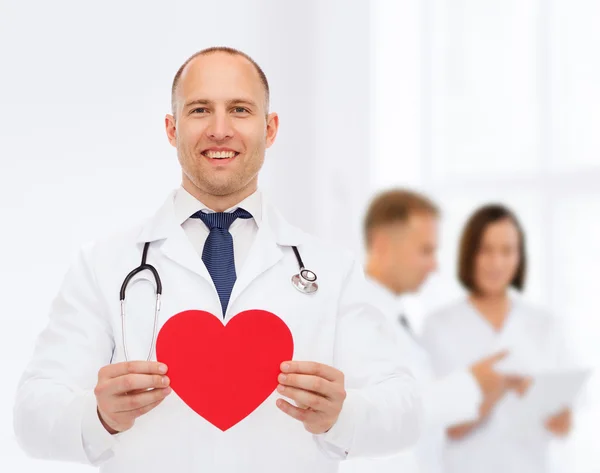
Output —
<point x="221" y="248"/>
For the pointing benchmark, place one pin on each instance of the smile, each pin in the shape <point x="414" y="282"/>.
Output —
<point x="220" y="154"/>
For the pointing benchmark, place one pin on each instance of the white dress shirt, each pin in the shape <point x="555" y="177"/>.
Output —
<point x="459" y="335"/>
<point x="243" y="230"/>
<point x="453" y="398"/>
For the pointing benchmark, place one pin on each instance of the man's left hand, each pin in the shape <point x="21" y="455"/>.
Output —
<point x="318" y="391"/>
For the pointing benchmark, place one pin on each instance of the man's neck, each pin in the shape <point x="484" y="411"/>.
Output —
<point x="219" y="203"/>
<point x="374" y="272"/>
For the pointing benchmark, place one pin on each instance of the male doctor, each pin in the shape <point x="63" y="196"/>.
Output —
<point x="220" y="247"/>
<point x="401" y="238"/>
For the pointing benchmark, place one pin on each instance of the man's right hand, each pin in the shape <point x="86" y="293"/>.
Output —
<point x="493" y="384"/>
<point x="125" y="391"/>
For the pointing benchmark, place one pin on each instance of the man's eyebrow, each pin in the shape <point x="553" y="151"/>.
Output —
<point x="197" y="102"/>
<point x="235" y="101"/>
<point x="242" y="101"/>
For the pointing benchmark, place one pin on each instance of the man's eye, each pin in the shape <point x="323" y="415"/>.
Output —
<point x="199" y="110"/>
<point x="240" y="110"/>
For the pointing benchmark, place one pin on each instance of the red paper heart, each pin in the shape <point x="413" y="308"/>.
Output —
<point x="224" y="372"/>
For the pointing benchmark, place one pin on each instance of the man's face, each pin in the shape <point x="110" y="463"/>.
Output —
<point x="411" y="252"/>
<point x="221" y="129"/>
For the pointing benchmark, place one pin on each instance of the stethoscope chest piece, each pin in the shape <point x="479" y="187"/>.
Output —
<point x="305" y="281"/>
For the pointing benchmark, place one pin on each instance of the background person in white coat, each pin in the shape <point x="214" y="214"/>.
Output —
<point x="492" y="259"/>
<point x="80" y="400"/>
<point x="401" y="233"/>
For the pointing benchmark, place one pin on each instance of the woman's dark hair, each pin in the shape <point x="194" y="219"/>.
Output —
<point x="470" y="244"/>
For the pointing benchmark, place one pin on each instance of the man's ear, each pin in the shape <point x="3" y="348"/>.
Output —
<point x="171" y="129"/>
<point x="272" y="128"/>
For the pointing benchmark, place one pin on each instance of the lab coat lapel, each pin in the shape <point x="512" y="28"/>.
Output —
<point x="266" y="251"/>
<point x="178" y="248"/>
<point x="264" y="254"/>
<point x="172" y="240"/>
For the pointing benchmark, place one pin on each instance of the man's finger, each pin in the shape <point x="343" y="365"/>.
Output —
<point x="133" y="383"/>
<point x="306" y="398"/>
<point x="139" y="401"/>
<point x="144" y="410"/>
<point x="132" y="367"/>
<point x="497" y="357"/>
<point x="516" y="379"/>
<point x="303" y="415"/>
<point x="312" y="368"/>
<point x="311" y="383"/>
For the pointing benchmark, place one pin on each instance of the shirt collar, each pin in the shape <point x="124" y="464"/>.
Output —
<point x="186" y="205"/>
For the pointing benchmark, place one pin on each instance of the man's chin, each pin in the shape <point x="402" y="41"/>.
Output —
<point x="223" y="188"/>
<point x="221" y="191"/>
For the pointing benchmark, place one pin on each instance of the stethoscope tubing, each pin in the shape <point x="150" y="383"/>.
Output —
<point x="304" y="281"/>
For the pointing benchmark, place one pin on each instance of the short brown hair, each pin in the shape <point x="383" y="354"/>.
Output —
<point x="219" y="49"/>
<point x="395" y="205"/>
<point x="470" y="244"/>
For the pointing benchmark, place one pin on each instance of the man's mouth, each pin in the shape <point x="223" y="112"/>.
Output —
<point x="220" y="154"/>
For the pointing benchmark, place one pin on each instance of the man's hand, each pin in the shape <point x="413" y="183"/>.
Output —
<point x="493" y="385"/>
<point x="561" y="423"/>
<point x="460" y="431"/>
<point x="125" y="391"/>
<point x="318" y="391"/>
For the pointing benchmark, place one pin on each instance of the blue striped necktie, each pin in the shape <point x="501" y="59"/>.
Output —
<point x="218" y="250"/>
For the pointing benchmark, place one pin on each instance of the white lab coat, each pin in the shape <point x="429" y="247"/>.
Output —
<point x="453" y="398"/>
<point x="55" y="410"/>
<point x="458" y="336"/>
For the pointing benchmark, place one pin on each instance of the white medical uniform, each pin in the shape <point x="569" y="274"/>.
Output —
<point x="453" y="398"/>
<point x="458" y="336"/>
<point x="55" y="410"/>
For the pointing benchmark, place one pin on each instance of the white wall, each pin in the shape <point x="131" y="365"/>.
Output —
<point x="84" y="89"/>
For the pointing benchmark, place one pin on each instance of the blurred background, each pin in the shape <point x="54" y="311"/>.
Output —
<point x="469" y="101"/>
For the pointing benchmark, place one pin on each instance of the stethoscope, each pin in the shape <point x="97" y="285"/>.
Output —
<point x="305" y="282"/>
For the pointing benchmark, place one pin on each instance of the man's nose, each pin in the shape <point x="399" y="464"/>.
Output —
<point x="220" y="127"/>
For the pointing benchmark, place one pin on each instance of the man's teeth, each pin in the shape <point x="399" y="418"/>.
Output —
<point x="220" y="154"/>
